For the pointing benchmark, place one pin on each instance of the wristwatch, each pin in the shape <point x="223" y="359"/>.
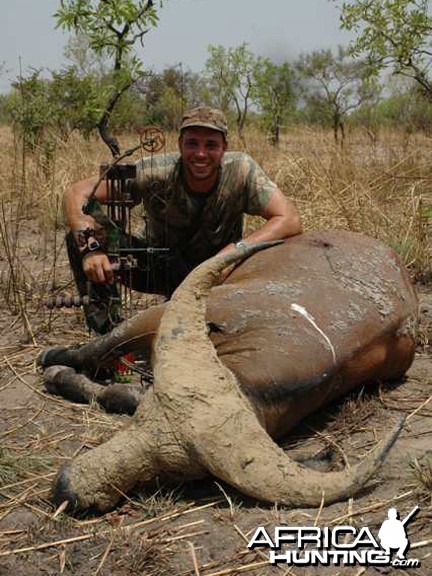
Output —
<point x="92" y="246"/>
<point x="87" y="241"/>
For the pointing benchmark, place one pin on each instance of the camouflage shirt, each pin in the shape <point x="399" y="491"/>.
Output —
<point x="199" y="225"/>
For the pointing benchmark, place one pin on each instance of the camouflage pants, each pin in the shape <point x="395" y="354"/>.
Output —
<point x="156" y="273"/>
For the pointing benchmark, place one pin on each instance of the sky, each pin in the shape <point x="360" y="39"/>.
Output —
<point x="279" y="29"/>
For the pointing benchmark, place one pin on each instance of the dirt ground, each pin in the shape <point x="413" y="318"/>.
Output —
<point x="199" y="529"/>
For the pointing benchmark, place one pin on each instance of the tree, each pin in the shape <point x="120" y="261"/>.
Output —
<point x="3" y="109"/>
<point x="275" y="95"/>
<point x="406" y="107"/>
<point x="336" y="84"/>
<point x="167" y="94"/>
<point x="78" y="101"/>
<point x="31" y="110"/>
<point x="83" y="58"/>
<point x="176" y="85"/>
<point x="112" y="28"/>
<point x="232" y="76"/>
<point x="3" y="99"/>
<point x="393" y="33"/>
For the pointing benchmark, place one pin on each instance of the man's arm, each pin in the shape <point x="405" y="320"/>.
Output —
<point x="76" y="197"/>
<point x="282" y="221"/>
<point x="96" y="265"/>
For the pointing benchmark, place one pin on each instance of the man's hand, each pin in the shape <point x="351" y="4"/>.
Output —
<point x="97" y="268"/>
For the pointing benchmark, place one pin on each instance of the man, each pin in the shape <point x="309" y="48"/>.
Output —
<point x="194" y="204"/>
<point x="392" y="534"/>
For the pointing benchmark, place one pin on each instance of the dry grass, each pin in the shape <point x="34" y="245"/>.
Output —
<point x="382" y="190"/>
<point x="422" y="470"/>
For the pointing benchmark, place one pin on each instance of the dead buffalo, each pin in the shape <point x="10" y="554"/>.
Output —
<point x="293" y="327"/>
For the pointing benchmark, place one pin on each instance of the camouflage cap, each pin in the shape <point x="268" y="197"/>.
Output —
<point x="205" y="117"/>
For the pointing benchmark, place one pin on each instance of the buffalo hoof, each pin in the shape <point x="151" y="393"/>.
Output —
<point x="59" y="355"/>
<point x="120" y="399"/>
<point x="61" y="491"/>
<point x="64" y="381"/>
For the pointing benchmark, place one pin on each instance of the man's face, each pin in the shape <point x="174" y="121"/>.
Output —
<point x="201" y="151"/>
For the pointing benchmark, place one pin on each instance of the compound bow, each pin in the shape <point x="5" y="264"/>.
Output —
<point x="115" y="219"/>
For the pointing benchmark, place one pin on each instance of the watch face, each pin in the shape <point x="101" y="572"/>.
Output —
<point x="93" y="245"/>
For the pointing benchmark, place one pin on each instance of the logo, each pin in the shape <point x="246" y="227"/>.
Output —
<point x="339" y="545"/>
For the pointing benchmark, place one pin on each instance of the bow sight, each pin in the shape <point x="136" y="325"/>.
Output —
<point x="114" y="217"/>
